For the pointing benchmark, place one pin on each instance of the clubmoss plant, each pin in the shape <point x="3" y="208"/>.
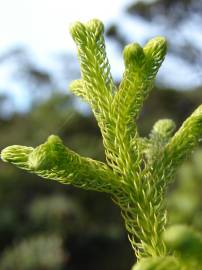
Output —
<point x="137" y="170"/>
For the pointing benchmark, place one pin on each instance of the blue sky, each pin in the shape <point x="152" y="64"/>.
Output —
<point x="43" y="24"/>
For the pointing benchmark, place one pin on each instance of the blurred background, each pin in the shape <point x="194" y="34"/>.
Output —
<point x="49" y="226"/>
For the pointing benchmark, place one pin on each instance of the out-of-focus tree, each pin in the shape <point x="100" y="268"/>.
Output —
<point x="185" y="204"/>
<point x="41" y="252"/>
<point x="36" y="80"/>
<point x="56" y="214"/>
<point x="179" y="20"/>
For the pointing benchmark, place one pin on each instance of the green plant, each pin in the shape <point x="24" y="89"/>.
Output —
<point x="137" y="170"/>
